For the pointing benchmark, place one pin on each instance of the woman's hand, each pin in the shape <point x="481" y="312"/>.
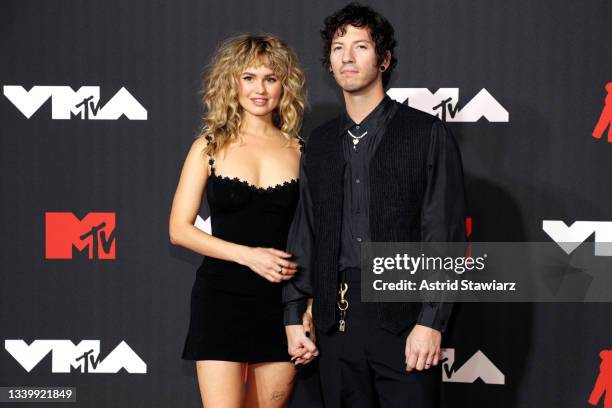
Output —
<point x="271" y="264"/>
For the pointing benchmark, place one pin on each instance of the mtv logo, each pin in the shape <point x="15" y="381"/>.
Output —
<point x="66" y="356"/>
<point x="478" y="366"/>
<point x="570" y="237"/>
<point x="444" y="104"/>
<point x="66" y="103"/>
<point x="95" y="232"/>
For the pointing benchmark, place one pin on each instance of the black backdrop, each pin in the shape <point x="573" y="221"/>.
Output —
<point x="545" y="62"/>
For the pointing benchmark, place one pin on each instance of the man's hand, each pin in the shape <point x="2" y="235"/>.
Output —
<point x="301" y="348"/>
<point x="308" y="323"/>
<point x="422" y="348"/>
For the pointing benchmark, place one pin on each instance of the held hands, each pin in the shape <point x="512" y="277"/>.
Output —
<point x="271" y="264"/>
<point x="422" y="348"/>
<point x="301" y="341"/>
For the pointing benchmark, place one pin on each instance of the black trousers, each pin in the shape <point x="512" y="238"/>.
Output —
<point x="364" y="366"/>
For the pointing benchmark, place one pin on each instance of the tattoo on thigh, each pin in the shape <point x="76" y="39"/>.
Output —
<point x="278" y="395"/>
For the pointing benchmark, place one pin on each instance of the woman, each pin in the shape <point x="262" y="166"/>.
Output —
<point x="246" y="159"/>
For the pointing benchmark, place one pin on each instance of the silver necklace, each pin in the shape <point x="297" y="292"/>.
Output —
<point x="356" y="139"/>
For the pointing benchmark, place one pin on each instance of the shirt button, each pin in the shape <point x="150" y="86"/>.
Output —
<point x="357" y="127"/>
<point x="357" y="181"/>
<point x="359" y="239"/>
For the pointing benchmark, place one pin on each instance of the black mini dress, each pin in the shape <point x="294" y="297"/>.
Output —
<point x="237" y="315"/>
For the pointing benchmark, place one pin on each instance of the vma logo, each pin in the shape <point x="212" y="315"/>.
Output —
<point x="444" y="103"/>
<point x="67" y="103"/>
<point x="66" y="357"/>
<point x="478" y="366"/>
<point x="203" y="225"/>
<point x="94" y="233"/>
<point x="570" y="237"/>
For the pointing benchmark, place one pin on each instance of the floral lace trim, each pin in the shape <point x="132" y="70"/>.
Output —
<point x="237" y="181"/>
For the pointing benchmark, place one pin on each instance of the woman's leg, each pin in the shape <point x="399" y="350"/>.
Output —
<point x="221" y="383"/>
<point x="269" y="385"/>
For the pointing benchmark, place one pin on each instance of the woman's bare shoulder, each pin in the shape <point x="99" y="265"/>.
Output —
<point x="199" y="143"/>
<point x="296" y="145"/>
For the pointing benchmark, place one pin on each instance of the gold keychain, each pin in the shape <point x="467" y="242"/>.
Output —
<point x="342" y="305"/>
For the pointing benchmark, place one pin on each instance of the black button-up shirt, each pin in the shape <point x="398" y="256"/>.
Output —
<point x="443" y="162"/>
<point x="356" y="202"/>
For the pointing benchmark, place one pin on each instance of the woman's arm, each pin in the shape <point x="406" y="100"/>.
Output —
<point x="186" y="205"/>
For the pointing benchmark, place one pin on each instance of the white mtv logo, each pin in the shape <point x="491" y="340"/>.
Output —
<point x="478" y="366"/>
<point x="66" y="355"/>
<point x="570" y="237"/>
<point x="444" y="104"/>
<point x="66" y="102"/>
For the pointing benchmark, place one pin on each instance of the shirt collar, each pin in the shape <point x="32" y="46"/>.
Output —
<point x="371" y="121"/>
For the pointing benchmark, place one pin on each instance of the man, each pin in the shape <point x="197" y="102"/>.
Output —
<point x="381" y="172"/>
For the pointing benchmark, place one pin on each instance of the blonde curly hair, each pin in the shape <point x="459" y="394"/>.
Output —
<point x="222" y="118"/>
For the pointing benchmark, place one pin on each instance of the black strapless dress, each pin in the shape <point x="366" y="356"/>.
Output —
<point x="236" y="315"/>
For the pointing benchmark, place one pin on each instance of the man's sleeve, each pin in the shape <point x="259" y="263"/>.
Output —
<point x="443" y="211"/>
<point x="297" y="290"/>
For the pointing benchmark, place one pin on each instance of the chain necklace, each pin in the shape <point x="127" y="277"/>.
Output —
<point x="356" y="139"/>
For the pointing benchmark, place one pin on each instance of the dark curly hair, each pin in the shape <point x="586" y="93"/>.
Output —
<point x="361" y="16"/>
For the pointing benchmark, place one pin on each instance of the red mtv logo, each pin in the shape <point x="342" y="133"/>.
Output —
<point x="605" y="120"/>
<point x="95" y="232"/>
<point x="604" y="381"/>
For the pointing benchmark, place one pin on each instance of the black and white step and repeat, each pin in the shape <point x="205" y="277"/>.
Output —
<point x="100" y="103"/>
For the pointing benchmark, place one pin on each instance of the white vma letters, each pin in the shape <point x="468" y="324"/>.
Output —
<point x="65" y="356"/>
<point x="444" y="104"/>
<point x="478" y="366"/>
<point x="570" y="237"/>
<point x="66" y="103"/>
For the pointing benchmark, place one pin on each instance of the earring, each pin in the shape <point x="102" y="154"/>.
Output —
<point x="382" y="68"/>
